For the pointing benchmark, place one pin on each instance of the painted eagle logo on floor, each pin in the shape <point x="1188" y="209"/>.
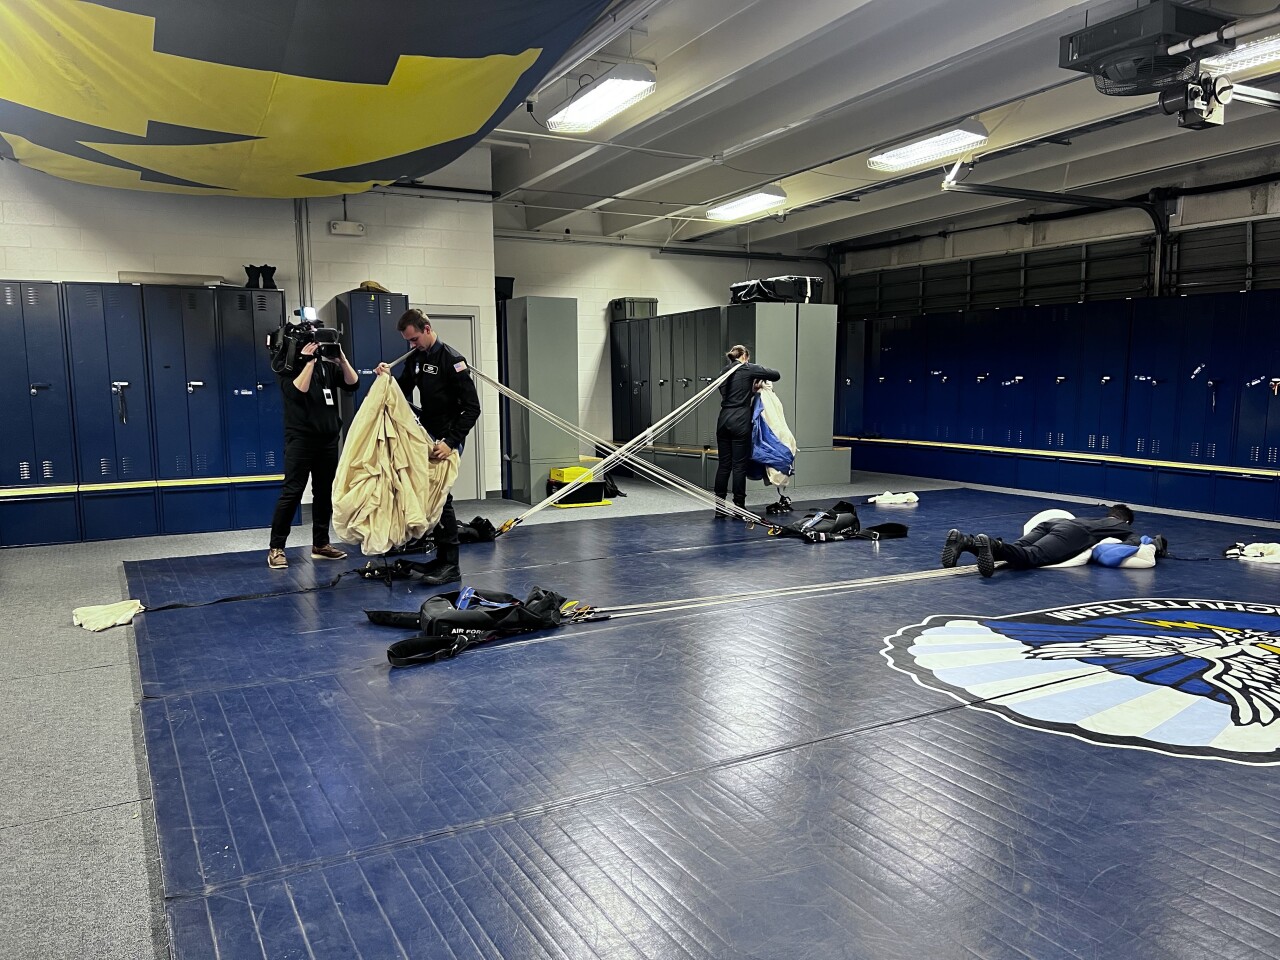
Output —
<point x="275" y="98"/>
<point x="1198" y="678"/>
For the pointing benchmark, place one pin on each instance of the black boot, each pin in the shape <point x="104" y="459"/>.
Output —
<point x="721" y="513"/>
<point x="255" y="278"/>
<point x="986" y="559"/>
<point x="444" y="568"/>
<point x="268" y="277"/>
<point x="956" y="544"/>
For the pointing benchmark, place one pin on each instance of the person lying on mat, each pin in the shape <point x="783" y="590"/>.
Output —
<point x="1057" y="539"/>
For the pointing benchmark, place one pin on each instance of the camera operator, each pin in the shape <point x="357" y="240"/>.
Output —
<point x="312" y="425"/>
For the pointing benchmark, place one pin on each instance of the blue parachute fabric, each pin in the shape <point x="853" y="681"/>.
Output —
<point x="1114" y="554"/>
<point x="766" y="449"/>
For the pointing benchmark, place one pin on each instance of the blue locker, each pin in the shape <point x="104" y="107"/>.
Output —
<point x="1012" y="361"/>
<point x="1184" y="489"/>
<point x="367" y="324"/>
<point x="1083" y="478"/>
<point x="112" y="409"/>
<point x="1055" y="377"/>
<point x="1258" y="424"/>
<point x="851" y="337"/>
<point x="940" y="339"/>
<point x="1208" y="378"/>
<point x="1245" y="496"/>
<point x="1154" y="377"/>
<point x="187" y="398"/>
<point x="1102" y="346"/>
<point x="1130" y="483"/>
<point x="35" y="431"/>
<point x="977" y="389"/>
<point x="252" y="401"/>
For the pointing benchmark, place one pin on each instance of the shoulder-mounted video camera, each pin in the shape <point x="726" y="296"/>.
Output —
<point x="295" y="333"/>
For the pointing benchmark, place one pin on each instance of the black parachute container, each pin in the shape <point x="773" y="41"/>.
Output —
<point x="839" y="522"/>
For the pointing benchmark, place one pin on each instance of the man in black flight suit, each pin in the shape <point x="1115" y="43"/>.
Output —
<point x="450" y="408"/>
<point x="1053" y="541"/>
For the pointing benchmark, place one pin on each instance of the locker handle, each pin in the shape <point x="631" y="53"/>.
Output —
<point x="261" y="387"/>
<point x="122" y="408"/>
<point x="192" y="384"/>
<point x="40" y="386"/>
<point x="118" y="385"/>
<point x="706" y="379"/>
<point x="661" y="382"/>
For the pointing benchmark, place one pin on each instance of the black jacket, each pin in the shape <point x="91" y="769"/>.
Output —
<point x="1100" y="528"/>
<point x="736" y="391"/>
<point x="307" y="414"/>
<point x="450" y="405"/>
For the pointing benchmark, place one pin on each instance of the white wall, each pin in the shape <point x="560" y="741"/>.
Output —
<point x="435" y="250"/>
<point x="594" y="275"/>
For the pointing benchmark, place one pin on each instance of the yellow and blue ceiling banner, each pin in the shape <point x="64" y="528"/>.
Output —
<point x="267" y="98"/>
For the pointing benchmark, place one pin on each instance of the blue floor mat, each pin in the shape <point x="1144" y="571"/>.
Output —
<point x="728" y="781"/>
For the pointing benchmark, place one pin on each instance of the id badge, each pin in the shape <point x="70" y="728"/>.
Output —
<point x="328" y="397"/>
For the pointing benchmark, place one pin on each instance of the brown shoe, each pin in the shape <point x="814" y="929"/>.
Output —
<point x="276" y="559"/>
<point x="327" y="552"/>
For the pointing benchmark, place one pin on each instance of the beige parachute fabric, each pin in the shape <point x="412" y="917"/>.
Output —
<point x="771" y="410"/>
<point x="387" y="491"/>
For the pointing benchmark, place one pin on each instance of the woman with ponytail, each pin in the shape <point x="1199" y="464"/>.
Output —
<point x="733" y="428"/>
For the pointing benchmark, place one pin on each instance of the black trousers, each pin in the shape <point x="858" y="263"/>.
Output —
<point x="446" y="534"/>
<point x="1048" y="543"/>
<point x="733" y="443"/>
<point x="317" y="458"/>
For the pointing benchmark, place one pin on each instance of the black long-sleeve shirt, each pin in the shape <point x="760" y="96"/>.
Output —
<point x="736" y="391"/>
<point x="309" y="414"/>
<point x="450" y="404"/>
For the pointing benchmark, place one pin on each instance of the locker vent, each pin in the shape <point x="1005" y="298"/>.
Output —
<point x="104" y="467"/>
<point x="113" y="297"/>
<point x="270" y="463"/>
<point x="1271" y="455"/>
<point x="1255" y="454"/>
<point x="386" y="307"/>
<point x="1106" y="441"/>
<point x="202" y="463"/>
<point x="243" y="303"/>
<point x="24" y="470"/>
<point x="1093" y="441"/>
<point x="1155" y="448"/>
<point x="262" y="301"/>
<point x="46" y="469"/>
<point x="33" y="295"/>
<point x="191" y="300"/>
<point x="1142" y="445"/>
<point x="1212" y="451"/>
<point x="251" y="460"/>
<point x="1062" y="439"/>
<point x="1195" y="451"/>
<point x="181" y="466"/>
<point x="126" y="466"/>
<point x="10" y="298"/>
<point x="93" y="296"/>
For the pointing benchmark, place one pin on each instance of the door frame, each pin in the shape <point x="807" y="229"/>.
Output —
<point x="469" y="312"/>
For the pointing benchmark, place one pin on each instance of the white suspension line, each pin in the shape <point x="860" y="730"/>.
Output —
<point x="643" y="438"/>
<point x="651" y="470"/>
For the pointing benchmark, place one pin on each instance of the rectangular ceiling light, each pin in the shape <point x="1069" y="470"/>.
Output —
<point x="597" y="101"/>
<point x="960" y="139"/>
<point x="1245" y="56"/>
<point x="766" y="198"/>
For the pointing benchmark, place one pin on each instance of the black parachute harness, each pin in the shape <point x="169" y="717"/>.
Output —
<point x="839" y="522"/>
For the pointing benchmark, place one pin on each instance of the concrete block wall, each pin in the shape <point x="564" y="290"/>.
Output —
<point x="433" y="249"/>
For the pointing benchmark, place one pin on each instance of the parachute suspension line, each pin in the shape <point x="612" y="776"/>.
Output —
<point x="621" y="453"/>
<point x="838" y="586"/>
<point x="402" y="359"/>
<point x="650" y="470"/>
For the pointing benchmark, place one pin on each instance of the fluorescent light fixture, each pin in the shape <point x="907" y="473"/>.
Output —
<point x="766" y="198"/>
<point x="594" y="103"/>
<point x="960" y="139"/>
<point x="1245" y="56"/>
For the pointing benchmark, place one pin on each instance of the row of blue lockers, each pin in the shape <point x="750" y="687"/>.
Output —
<point x="136" y="410"/>
<point x="1191" y="379"/>
<point x="1169" y="485"/>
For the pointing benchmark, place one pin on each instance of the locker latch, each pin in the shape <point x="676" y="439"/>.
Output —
<point x="35" y="387"/>
<point x="192" y="384"/>
<point x="1275" y="386"/>
<point x="122" y="407"/>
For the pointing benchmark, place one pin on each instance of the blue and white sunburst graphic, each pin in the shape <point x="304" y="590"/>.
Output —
<point x="1191" y="678"/>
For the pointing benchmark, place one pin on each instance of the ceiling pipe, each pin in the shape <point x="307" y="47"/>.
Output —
<point x="1229" y="32"/>
<point x="611" y="25"/>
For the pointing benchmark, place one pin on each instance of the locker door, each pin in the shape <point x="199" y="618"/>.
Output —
<point x="710" y="346"/>
<point x="684" y="370"/>
<point x="47" y="387"/>
<point x="1103" y="332"/>
<point x="660" y="384"/>
<point x="941" y="344"/>
<point x="620" y="354"/>
<point x="369" y="335"/>
<point x="1014" y="398"/>
<point x="638" y="335"/>
<point x="1154" y="377"/>
<point x="851" y="376"/>
<point x="268" y="315"/>
<point x="1261" y="351"/>
<point x="163" y="311"/>
<point x="204" y="383"/>
<point x="240" y="376"/>
<point x="977" y="380"/>
<point x="1207" y="373"/>
<point x="17" y="438"/>
<point x="112" y="403"/>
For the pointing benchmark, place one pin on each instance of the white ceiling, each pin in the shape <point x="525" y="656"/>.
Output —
<point x="800" y="92"/>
